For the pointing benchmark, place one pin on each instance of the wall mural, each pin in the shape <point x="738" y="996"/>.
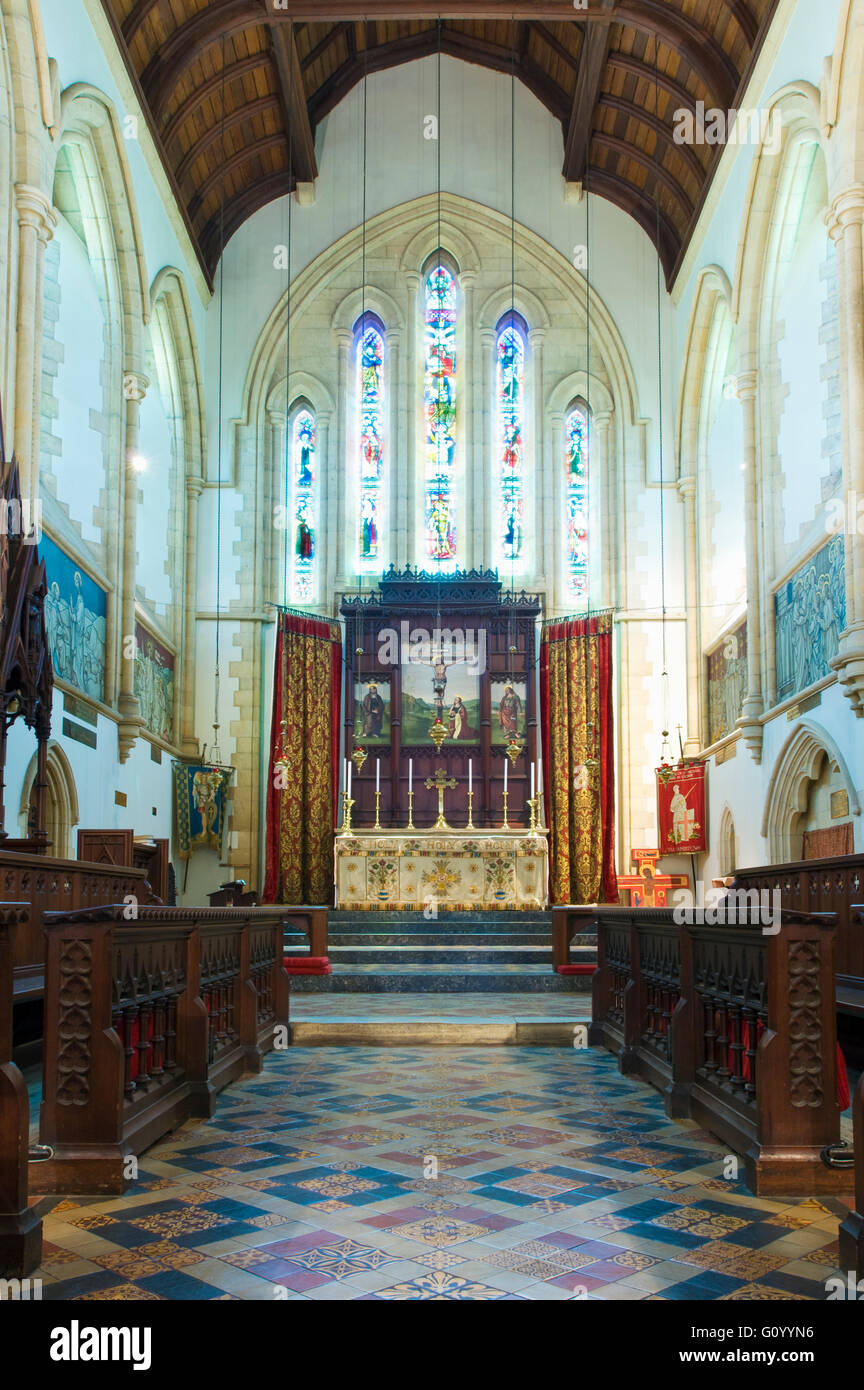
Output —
<point x="75" y="618"/>
<point x="809" y="615"/>
<point x="154" y="684"/>
<point x="727" y="683"/>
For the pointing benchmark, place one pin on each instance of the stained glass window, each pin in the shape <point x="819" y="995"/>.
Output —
<point x="440" y="412"/>
<point x="510" y="440"/>
<point x="370" y="395"/>
<point x="304" y="477"/>
<point x="576" y="454"/>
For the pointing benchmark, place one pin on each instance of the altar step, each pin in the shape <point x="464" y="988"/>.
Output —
<point x="455" y="953"/>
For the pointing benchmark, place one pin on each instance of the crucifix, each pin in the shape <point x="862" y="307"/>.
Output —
<point x="440" y="781"/>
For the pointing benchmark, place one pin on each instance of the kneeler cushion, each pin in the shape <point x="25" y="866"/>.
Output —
<point x="307" y="965"/>
<point x="575" y="969"/>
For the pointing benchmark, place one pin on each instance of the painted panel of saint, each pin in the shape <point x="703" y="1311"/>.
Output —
<point x="75" y="619"/>
<point x="809" y="615"/>
<point x="154" y="684"/>
<point x="440" y="689"/>
<point x="509" y="700"/>
<point x="727" y="683"/>
<point x="372" y="711"/>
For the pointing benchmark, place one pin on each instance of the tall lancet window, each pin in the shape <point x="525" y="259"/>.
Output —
<point x="439" y="399"/>
<point x="576" y="485"/>
<point x="370" y="436"/>
<point x="304" y="483"/>
<point x="510" y="436"/>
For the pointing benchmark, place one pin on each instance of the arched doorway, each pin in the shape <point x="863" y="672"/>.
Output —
<point x="61" y="802"/>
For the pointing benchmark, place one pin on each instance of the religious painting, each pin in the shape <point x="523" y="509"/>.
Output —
<point x="372" y="711"/>
<point x="809" y="615"/>
<point x="681" y="809"/>
<point x="76" y="611"/>
<point x="200" y="795"/>
<point x="727" y="683"/>
<point x="154" y="683"/>
<point x="509" y="701"/>
<point x="445" y="690"/>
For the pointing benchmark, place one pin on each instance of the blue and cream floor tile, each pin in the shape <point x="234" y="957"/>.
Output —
<point x="556" y="1179"/>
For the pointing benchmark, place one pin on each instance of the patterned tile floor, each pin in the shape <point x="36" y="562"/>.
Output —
<point x="556" y="1178"/>
<point x="462" y="1007"/>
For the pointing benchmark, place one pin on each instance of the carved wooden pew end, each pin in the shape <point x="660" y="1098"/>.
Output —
<point x="20" y="1223"/>
<point x="146" y="1020"/>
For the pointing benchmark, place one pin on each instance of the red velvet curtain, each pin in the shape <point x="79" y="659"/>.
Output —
<point x="301" y="815"/>
<point x="578" y="758"/>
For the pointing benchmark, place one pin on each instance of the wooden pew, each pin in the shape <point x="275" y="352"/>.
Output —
<point x="122" y="848"/>
<point x="852" y="1228"/>
<point x="145" y="1020"/>
<point x="57" y="885"/>
<point x="736" y="1027"/>
<point x="824" y="885"/>
<point x="20" y="1227"/>
<point x="314" y="921"/>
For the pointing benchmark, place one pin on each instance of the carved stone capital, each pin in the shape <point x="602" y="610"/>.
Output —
<point x="751" y="727"/>
<point x="35" y="210"/>
<point x="849" y="665"/>
<point x="194" y="487"/>
<point x="129" y="725"/>
<point x="687" y="488"/>
<point x="746" y="385"/>
<point x="846" y="210"/>
<point x="135" y="386"/>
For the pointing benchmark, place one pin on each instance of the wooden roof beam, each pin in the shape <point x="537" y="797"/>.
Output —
<point x="213" y="84"/>
<point x="660" y="129"/>
<point x="628" y="151"/>
<point x="597" y="40"/>
<point x="303" y="163"/>
<point x="186" y="45"/>
<point x="227" y="166"/>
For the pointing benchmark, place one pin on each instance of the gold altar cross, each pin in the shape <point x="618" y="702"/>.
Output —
<point x="439" y="782"/>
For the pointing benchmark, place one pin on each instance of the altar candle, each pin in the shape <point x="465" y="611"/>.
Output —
<point x="410" y="774"/>
<point x="377" y="774"/>
<point x="532" y="781"/>
<point x="505" y="774"/>
<point x="470" y="775"/>
<point x="349" y="778"/>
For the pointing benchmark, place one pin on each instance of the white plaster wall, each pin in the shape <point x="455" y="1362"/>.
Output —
<point x="155" y="500"/>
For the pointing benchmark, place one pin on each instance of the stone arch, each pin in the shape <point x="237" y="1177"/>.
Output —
<point x="713" y="300"/>
<point x="510" y="298"/>
<point x="61" y="800"/>
<point x="798" y="764"/>
<point x="453" y="240"/>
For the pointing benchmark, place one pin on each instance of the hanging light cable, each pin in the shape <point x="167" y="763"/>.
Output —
<point x="665" y="673"/>
<point x="288" y="526"/>
<point x="215" y="750"/>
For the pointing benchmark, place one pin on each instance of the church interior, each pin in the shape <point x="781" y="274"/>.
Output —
<point x="431" y="662"/>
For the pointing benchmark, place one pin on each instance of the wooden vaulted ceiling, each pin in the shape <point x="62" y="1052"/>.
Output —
<point x="613" y="74"/>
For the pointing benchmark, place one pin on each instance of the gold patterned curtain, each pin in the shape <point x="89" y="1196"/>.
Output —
<point x="303" y="770"/>
<point x="578" y="761"/>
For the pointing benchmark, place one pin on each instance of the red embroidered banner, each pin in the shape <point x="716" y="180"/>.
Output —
<point x="682" y="822"/>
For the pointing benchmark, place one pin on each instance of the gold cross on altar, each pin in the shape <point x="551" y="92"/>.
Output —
<point x="440" y="781"/>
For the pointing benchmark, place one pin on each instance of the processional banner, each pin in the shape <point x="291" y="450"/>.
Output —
<point x="200" y="797"/>
<point x="682" y="808"/>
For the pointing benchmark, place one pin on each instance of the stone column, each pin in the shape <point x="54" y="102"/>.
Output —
<point x="556" y="534"/>
<point x="600" y="484"/>
<point x="489" y="557"/>
<point x="693" y="734"/>
<point x="412" y="465"/>
<point x="329" y="476"/>
<point x="466" y="535"/>
<point x="535" y="520"/>
<point x="188" y="741"/>
<point x="346" y="516"/>
<point x="845" y="219"/>
<point x="393" y="456"/>
<point x="134" y="390"/>
<point x="749" y="722"/>
<point x="36" y="223"/>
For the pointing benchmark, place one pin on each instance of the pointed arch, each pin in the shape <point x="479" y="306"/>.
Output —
<point x="441" y="304"/>
<point x="61" y="800"/>
<point x="370" y="354"/>
<point x="798" y="764"/>
<point x="511" y="419"/>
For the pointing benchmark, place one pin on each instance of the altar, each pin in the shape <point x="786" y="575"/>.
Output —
<point x="496" y="870"/>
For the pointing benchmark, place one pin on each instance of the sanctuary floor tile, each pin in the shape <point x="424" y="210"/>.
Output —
<point x="475" y="1174"/>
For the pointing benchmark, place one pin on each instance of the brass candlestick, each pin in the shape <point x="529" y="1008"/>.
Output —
<point x="347" y="803"/>
<point x="411" y="810"/>
<point x="377" y="825"/>
<point x="470" y="825"/>
<point x="505" y="825"/>
<point x="532" y="804"/>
